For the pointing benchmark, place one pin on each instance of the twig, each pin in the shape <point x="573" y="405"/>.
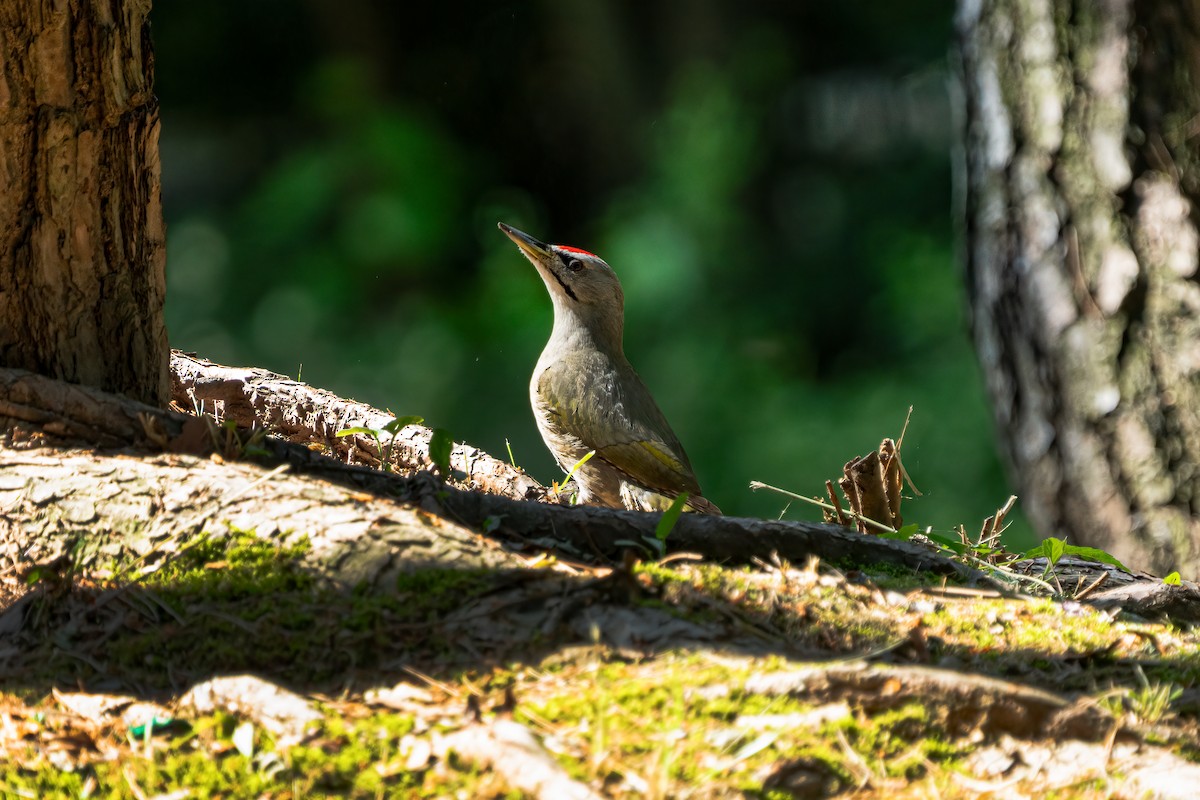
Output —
<point x="837" y="505"/>
<point x="899" y="461"/>
<point x="756" y="485"/>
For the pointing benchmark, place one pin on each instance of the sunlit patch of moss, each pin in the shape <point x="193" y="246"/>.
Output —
<point x="738" y="703"/>
<point x="807" y="610"/>
<point x="45" y="782"/>
<point x="356" y="756"/>
<point x="895" y="577"/>
<point x="240" y="562"/>
<point x="1035" y="632"/>
<point x="204" y="775"/>
<point x="898" y="578"/>
<point x="889" y="737"/>
<point x="651" y="720"/>
<point x="624" y="722"/>
<point x="356" y="760"/>
<point x="660" y="573"/>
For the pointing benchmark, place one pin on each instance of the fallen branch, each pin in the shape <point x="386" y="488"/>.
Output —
<point x="302" y="414"/>
<point x="60" y="412"/>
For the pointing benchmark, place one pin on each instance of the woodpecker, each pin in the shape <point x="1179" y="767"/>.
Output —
<point x="586" y="396"/>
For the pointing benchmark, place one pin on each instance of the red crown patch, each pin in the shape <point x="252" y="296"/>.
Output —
<point x="570" y="249"/>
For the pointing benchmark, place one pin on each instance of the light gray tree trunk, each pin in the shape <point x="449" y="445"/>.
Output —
<point x="81" y="231"/>
<point x="1079" y="176"/>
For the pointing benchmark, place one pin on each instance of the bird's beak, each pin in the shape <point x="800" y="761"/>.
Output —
<point x="533" y="249"/>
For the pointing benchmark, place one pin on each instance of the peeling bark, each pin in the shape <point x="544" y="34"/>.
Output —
<point x="1079" y="184"/>
<point x="302" y="414"/>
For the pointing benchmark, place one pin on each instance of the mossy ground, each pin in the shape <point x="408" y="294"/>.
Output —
<point x="668" y="719"/>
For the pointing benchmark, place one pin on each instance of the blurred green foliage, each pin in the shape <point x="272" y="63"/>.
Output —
<point x="770" y="181"/>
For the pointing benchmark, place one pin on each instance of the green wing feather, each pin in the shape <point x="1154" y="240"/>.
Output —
<point x="608" y="408"/>
<point x="650" y="465"/>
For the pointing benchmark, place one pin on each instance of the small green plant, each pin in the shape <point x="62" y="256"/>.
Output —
<point x="670" y="517"/>
<point x="232" y="443"/>
<point x="441" y="444"/>
<point x="1053" y="550"/>
<point x="666" y="523"/>
<point x="574" y="467"/>
<point x="558" y="487"/>
<point x="389" y="431"/>
<point x="1150" y="703"/>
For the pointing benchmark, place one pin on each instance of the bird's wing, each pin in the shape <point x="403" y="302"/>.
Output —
<point x="649" y="464"/>
<point x="610" y="411"/>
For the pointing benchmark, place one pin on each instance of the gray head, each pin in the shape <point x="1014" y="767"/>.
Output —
<point x="585" y="290"/>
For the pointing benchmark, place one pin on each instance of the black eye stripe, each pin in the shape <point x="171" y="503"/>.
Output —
<point x="563" y="284"/>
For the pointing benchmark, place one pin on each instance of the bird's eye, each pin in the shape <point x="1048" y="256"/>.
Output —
<point x="574" y="264"/>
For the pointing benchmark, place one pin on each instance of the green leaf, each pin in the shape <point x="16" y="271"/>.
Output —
<point x="400" y="422"/>
<point x="647" y="545"/>
<point x="659" y="547"/>
<point x="1050" y="549"/>
<point x="1094" y="554"/>
<point x="1054" y="549"/>
<point x="1057" y="547"/>
<point x="1173" y="579"/>
<point x="905" y="533"/>
<point x="952" y="543"/>
<point x="577" y="465"/>
<point x="440" y="445"/>
<point x="357" y="430"/>
<point x="667" y="522"/>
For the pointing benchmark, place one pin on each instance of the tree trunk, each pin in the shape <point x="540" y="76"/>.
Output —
<point x="81" y="231"/>
<point x="1078" y="179"/>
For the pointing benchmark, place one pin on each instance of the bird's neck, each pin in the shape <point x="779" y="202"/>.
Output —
<point x="575" y="329"/>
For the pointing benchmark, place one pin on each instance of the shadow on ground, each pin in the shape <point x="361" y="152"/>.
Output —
<point x="243" y="605"/>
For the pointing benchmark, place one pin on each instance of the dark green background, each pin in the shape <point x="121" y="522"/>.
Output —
<point x="772" y="182"/>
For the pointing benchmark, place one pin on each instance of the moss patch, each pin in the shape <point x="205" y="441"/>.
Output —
<point x="627" y="719"/>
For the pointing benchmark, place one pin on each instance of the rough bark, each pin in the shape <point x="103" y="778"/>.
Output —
<point x="112" y="495"/>
<point x="303" y="414"/>
<point x="309" y="416"/>
<point x="365" y="524"/>
<point x="106" y="509"/>
<point x="1079" y="179"/>
<point x="81" y="231"/>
